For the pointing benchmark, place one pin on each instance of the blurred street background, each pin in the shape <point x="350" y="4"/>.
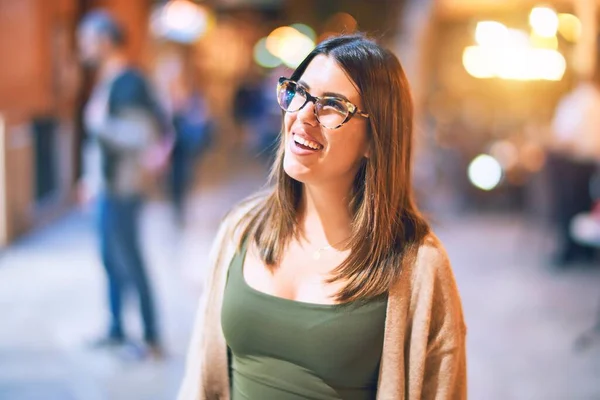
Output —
<point x="507" y="95"/>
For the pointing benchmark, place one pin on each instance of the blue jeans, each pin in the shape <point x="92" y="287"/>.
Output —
<point x="182" y="168"/>
<point x="123" y="262"/>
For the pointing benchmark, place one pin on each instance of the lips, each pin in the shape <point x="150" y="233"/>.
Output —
<point x="306" y="141"/>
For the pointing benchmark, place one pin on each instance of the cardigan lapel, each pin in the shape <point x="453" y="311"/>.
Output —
<point x="215" y="366"/>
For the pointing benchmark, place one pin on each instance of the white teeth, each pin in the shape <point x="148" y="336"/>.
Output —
<point x="307" y="143"/>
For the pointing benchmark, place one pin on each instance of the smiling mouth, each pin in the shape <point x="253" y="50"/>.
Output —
<point x="306" y="144"/>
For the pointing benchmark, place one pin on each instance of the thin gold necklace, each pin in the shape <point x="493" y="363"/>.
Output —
<point x="317" y="253"/>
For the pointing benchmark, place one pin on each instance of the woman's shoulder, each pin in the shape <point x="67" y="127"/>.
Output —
<point x="431" y="262"/>
<point x="233" y="225"/>
<point x="432" y="252"/>
<point x="432" y="277"/>
<point x="233" y="221"/>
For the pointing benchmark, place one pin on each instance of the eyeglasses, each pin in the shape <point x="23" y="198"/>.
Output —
<point x="331" y="112"/>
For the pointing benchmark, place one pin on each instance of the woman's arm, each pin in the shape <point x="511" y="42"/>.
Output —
<point x="437" y="367"/>
<point x="445" y="374"/>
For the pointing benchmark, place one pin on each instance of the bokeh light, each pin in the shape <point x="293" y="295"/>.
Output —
<point x="479" y="62"/>
<point x="180" y="21"/>
<point x="548" y="65"/>
<point x="263" y="57"/>
<point x="305" y="30"/>
<point x="542" y="42"/>
<point x="289" y="45"/>
<point x="277" y="39"/>
<point x="296" y="50"/>
<point x="485" y="172"/>
<point x="569" y="26"/>
<point x="491" y="33"/>
<point x="544" y="21"/>
<point x="517" y="38"/>
<point x="513" y="54"/>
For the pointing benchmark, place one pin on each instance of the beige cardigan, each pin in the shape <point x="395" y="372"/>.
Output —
<point x="424" y="340"/>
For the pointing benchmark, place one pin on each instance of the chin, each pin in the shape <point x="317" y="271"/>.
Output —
<point x="295" y="169"/>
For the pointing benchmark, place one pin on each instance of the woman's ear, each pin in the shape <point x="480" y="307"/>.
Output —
<point x="367" y="153"/>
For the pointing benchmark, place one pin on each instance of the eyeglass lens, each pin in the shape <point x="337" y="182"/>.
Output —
<point x="330" y="111"/>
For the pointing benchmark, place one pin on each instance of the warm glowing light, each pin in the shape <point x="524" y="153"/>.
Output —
<point x="485" y="172"/>
<point x="478" y="61"/>
<point x="515" y="64"/>
<point x="512" y="54"/>
<point x="491" y="33"/>
<point x="569" y="26"/>
<point x="276" y="40"/>
<point x="547" y="65"/>
<point x="180" y="21"/>
<point x="542" y="42"/>
<point x="263" y="57"/>
<point x="544" y="21"/>
<point x="306" y="30"/>
<point x="517" y="38"/>
<point x="297" y="49"/>
<point x="290" y="45"/>
<point x="534" y="64"/>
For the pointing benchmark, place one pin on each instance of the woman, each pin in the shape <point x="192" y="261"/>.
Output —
<point x="331" y="286"/>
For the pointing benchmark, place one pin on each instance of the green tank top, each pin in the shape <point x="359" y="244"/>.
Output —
<point x="288" y="350"/>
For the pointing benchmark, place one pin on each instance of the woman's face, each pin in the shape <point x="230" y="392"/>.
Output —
<point x="90" y="45"/>
<point x="338" y="151"/>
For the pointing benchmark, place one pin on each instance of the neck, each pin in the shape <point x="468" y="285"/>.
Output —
<point x="113" y="63"/>
<point x="326" y="218"/>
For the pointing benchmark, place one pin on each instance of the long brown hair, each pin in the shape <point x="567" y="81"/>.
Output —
<point x="387" y="228"/>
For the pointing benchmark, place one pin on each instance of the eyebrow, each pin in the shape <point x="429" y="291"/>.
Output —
<point x="325" y="94"/>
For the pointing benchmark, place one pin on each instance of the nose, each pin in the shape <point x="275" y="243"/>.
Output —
<point x="308" y="115"/>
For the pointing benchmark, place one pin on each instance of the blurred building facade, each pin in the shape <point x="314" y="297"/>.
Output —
<point x="42" y="88"/>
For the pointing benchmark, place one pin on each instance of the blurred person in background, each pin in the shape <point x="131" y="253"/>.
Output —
<point x="331" y="284"/>
<point x="194" y="132"/>
<point x="249" y="107"/>
<point x="122" y="120"/>
<point x="572" y="162"/>
<point x="257" y="114"/>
